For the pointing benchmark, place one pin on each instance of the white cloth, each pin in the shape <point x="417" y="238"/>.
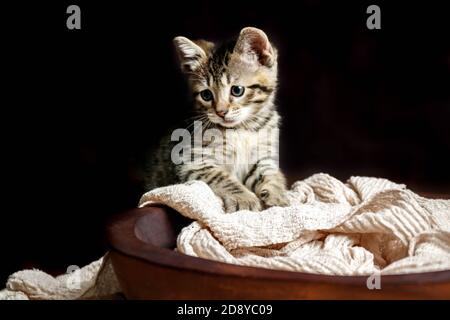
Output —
<point x="96" y="280"/>
<point x="365" y="226"/>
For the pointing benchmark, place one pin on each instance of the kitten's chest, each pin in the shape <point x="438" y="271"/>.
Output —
<point x="242" y="149"/>
<point x="237" y="151"/>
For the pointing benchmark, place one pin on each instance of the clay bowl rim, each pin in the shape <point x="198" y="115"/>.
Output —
<point x="132" y="246"/>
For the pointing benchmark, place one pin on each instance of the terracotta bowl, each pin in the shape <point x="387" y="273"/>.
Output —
<point x="142" y="243"/>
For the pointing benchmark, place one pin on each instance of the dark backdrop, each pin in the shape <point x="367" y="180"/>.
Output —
<point x="80" y="107"/>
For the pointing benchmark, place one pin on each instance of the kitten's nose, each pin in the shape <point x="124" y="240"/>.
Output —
<point x="221" y="113"/>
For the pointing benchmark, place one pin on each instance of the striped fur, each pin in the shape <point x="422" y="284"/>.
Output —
<point x="239" y="140"/>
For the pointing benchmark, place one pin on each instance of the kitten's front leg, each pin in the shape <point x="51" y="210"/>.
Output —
<point x="268" y="183"/>
<point x="234" y="194"/>
<point x="272" y="190"/>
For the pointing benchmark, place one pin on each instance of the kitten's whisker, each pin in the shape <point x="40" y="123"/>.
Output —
<point x="200" y="118"/>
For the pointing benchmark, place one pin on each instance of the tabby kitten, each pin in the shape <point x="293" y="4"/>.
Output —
<point x="233" y="86"/>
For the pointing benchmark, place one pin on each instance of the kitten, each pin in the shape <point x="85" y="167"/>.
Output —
<point x="233" y="86"/>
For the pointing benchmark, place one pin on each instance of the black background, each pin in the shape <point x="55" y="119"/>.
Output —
<point x="79" y="107"/>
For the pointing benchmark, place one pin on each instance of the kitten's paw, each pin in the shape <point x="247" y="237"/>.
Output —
<point x="273" y="197"/>
<point x="241" y="201"/>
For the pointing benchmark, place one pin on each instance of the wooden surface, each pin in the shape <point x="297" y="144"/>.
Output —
<point x="142" y="242"/>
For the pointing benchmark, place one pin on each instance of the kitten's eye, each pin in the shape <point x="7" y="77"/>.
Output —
<point x="206" y="95"/>
<point x="237" y="91"/>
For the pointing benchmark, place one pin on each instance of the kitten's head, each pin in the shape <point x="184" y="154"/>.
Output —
<point x="234" y="83"/>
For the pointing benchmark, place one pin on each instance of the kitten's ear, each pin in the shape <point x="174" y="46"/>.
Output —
<point x="254" y="45"/>
<point x="191" y="55"/>
<point x="207" y="46"/>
